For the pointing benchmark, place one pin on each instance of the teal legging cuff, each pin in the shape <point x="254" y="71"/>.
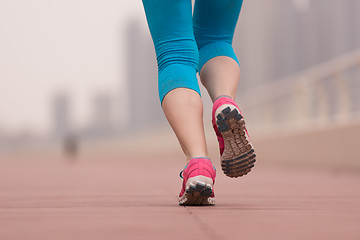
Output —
<point x="177" y="76"/>
<point x="215" y="49"/>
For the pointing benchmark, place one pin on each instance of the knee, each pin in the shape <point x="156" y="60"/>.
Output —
<point x="204" y="40"/>
<point x="206" y="36"/>
<point x="180" y="51"/>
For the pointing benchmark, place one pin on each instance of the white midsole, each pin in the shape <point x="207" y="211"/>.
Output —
<point x="199" y="179"/>
<point x="222" y="107"/>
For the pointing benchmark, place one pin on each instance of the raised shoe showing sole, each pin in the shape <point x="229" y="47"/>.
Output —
<point x="238" y="156"/>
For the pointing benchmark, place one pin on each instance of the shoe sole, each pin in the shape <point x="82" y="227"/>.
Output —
<point x="198" y="192"/>
<point x="238" y="157"/>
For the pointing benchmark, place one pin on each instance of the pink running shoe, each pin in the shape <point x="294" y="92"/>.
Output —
<point x="198" y="184"/>
<point x="236" y="150"/>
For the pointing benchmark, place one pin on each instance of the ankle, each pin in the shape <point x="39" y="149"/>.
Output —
<point x="221" y="96"/>
<point x="204" y="156"/>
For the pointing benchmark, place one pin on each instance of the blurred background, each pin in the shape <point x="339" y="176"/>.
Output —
<point x="86" y="152"/>
<point x="79" y="75"/>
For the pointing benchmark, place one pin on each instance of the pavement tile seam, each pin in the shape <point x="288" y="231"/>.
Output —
<point x="209" y="232"/>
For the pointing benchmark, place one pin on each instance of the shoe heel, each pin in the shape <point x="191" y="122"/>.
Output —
<point x="199" y="192"/>
<point x="200" y="184"/>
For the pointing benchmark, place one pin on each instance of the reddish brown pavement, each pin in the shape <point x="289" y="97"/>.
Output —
<point x="136" y="198"/>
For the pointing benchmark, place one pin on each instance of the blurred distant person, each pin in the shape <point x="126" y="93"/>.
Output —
<point x="71" y="147"/>
<point x="185" y="45"/>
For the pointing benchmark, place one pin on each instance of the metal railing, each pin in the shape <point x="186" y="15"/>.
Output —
<point x="325" y="94"/>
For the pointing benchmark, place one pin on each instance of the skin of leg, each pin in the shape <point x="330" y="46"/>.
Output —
<point x="171" y="27"/>
<point x="220" y="76"/>
<point x="184" y="110"/>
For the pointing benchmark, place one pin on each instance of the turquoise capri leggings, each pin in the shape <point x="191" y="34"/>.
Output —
<point x="185" y="42"/>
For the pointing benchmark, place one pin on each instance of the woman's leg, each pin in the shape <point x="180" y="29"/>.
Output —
<point x="184" y="111"/>
<point x="170" y="24"/>
<point x="214" y="26"/>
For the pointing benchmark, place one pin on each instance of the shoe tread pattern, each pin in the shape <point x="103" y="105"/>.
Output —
<point x="198" y="194"/>
<point x="239" y="156"/>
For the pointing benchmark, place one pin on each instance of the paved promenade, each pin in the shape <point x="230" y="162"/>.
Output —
<point x="120" y="197"/>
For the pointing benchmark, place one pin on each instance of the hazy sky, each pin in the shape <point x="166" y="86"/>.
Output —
<point x="49" y="46"/>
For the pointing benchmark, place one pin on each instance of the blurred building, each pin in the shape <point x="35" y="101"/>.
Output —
<point x="144" y="109"/>
<point x="277" y="38"/>
<point x="62" y="124"/>
<point x="2" y="136"/>
<point x="102" y="117"/>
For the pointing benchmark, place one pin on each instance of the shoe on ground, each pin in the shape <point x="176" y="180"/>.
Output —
<point x="198" y="183"/>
